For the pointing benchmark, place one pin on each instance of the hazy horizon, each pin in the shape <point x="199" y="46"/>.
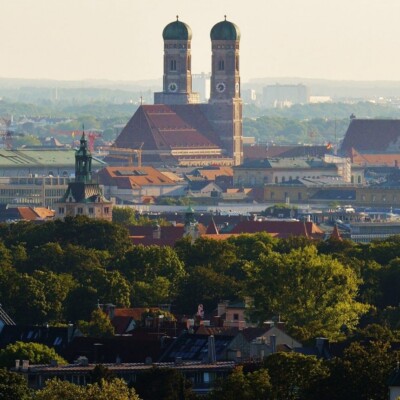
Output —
<point x="121" y="40"/>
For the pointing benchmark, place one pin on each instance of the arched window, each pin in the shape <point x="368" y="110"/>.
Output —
<point x="221" y="65"/>
<point x="172" y="65"/>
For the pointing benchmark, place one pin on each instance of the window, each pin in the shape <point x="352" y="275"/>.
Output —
<point x="91" y="210"/>
<point x="359" y="179"/>
<point x="236" y="317"/>
<point x="80" y="210"/>
<point x="106" y="210"/>
<point x="221" y="65"/>
<point x="172" y="65"/>
<point x="61" y="210"/>
<point x="276" y="179"/>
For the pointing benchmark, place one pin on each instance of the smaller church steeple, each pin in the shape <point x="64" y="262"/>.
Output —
<point x="83" y="161"/>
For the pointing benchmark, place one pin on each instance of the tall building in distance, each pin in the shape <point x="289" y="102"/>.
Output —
<point x="280" y="96"/>
<point x="180" y="130"/>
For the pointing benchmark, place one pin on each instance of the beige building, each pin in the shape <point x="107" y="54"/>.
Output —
<point x="281" y="170"/>
<point x="355" y="195"/>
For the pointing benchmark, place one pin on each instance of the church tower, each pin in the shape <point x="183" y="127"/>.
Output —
<point x="177" y="78"/>
<point x="83" y="197"/>
<point x="225" y="104"/>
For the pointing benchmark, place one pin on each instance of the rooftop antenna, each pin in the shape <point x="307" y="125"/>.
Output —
<point x="225" y="17"/>
<point x="177" y="17"/>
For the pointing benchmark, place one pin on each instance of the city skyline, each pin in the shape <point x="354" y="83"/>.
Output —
<point x="121" y="40"/>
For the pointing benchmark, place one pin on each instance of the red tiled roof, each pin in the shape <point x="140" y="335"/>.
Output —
<point x="27" y="213"/>
<point x="212" y="174"/>
<point x="282" y="229"/>
<point x="336" y="234"/>
<point x="389" y="159"/>
<point x="132" y="177"/>
<point x="166" y="127"/>
<point x="372" y="135"/>
<point x="135" y="313"/>
<point x="144" y="235"/>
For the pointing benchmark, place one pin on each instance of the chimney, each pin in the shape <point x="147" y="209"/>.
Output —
<point x="25" y="365"/>
<point x="221" y="309"/>
<point x="70" y="332"/>
<point x="212" y="356"/>
<point x="272" y="340"/>
<point x="157" y="232"/>
<point x="321" y="343"/>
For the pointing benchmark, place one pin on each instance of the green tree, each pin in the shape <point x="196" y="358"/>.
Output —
<point x="36" y="353"/>
<point x="294" y="375"/>
<point x="55" y="390"/>
<point x="124" y="216"/>
<point x="151" y="294"/>
<point x="361" y="373"/>
<point x="98" y="326"/>
<point x="245" y="386"/>
<point x="115" y="389"/>
<point x="163" y="383"/>
<point x="313" y="293"/>
<point x="13" y="386"/>
<point x="56" y="289"/>
<point x="205" y="286"/>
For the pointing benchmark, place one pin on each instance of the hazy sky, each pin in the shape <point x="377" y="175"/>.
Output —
<point x="121" y="39"/>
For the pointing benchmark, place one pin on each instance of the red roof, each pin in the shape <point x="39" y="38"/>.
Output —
<point x="166" y="127"/>
<point x="372" y="135"/>
<point x="336" y="234"/>
<point x="144" y="235"/>
<point x="133" y="177"/>
<point x="388" y="159"/>
<point x="282" y="229"/>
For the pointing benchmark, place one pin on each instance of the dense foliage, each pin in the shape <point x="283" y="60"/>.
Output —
<point x="57" y="272"/>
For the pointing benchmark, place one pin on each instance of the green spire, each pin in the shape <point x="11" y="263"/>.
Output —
<point x="83" y="161"/>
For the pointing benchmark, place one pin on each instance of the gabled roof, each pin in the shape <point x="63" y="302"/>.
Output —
<point x="261" y="151"/>
<point x="212" y="228"/>
<point x="287" y="163"/>
<point x="82" y="192"/>
<point x="144" y="235"/>
<point x="365" y="158"/>
<point x="335" y="235"/>
<point x="212" y="172"/>
<point x="282" y="229"/>
<point x="133" y="177"/>
<point x="372" y="135"/>
<point x="167" y="127"/>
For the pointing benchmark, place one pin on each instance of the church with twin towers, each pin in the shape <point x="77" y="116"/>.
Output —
<point x="180" y="130"/>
